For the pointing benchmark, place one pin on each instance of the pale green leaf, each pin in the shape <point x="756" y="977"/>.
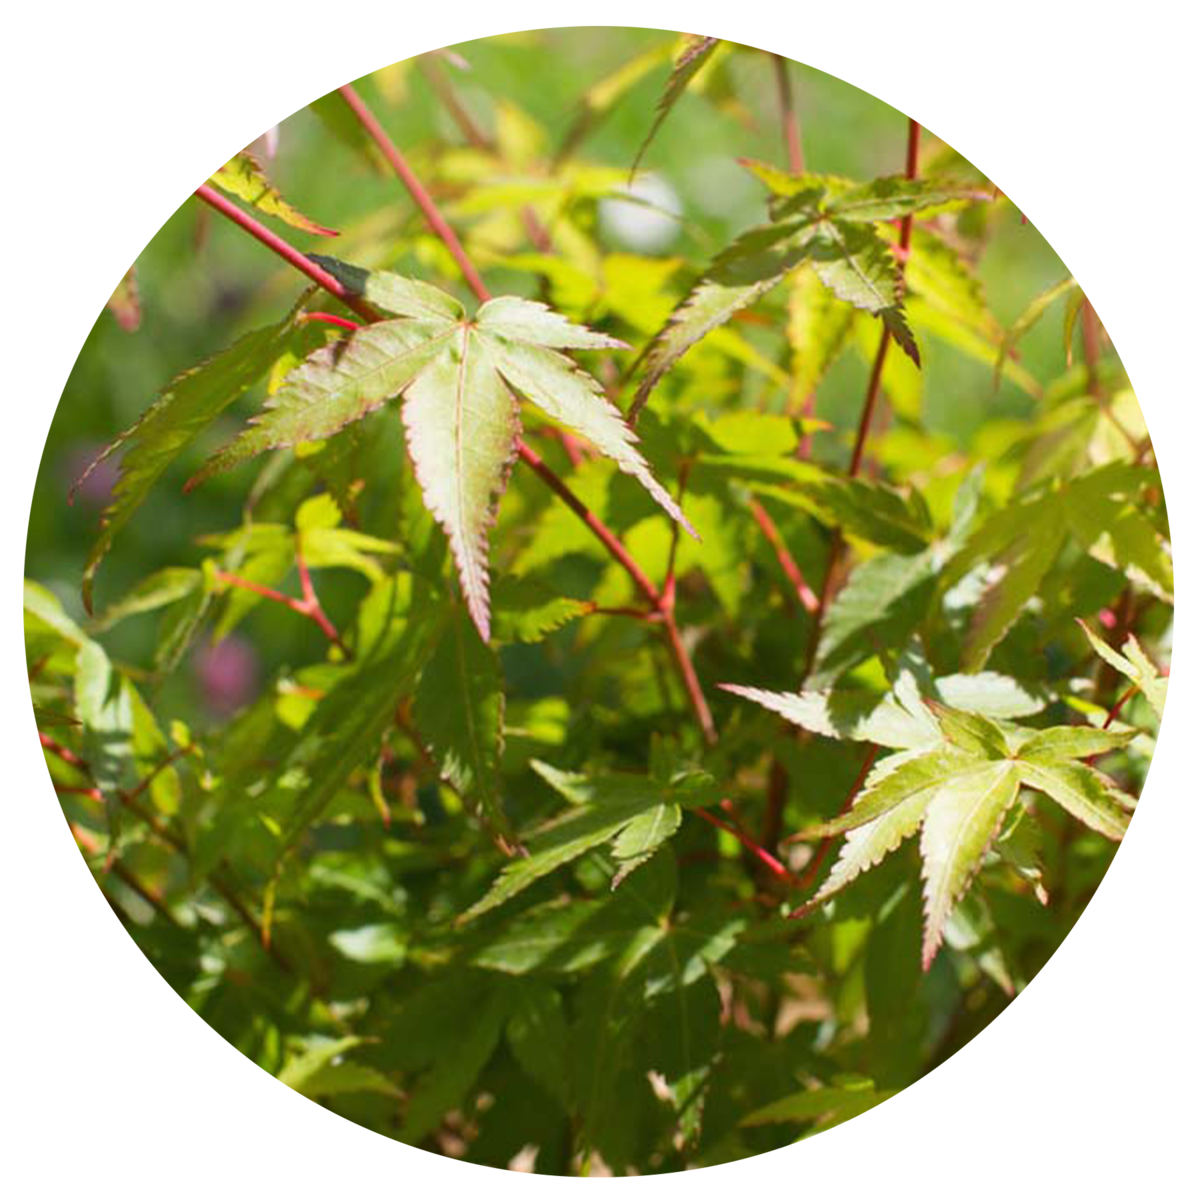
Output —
<point x="336" y="385"/>
<point x="1081" y="791"/>
<point x="869" y="844"/>
<point x="960" y="823"/>
<point x="396" y="294"/>
<point x="971" y="732"/>
<point x="893" y="784"/>
<point x="989" y="694"/>
<point x="1146" y="675"/>
<point x="894" y="196"/>
<point x="530" y="323"/>
<point x="749" y="269"/>
<point x="462" y="425"/>
<point x="566" y="394"/>
<point x="845" y="714"/>
<point x="1074" y="741"/>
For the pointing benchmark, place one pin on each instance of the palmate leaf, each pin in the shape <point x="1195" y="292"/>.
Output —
<point x="955" y="782"/>
<point x="1098" y="510"/>
<point x="633" y="812"/>
<point x="817" y="219"/>
<point x="460" y="379"/>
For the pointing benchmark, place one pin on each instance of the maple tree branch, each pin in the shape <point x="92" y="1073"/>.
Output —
<point x="764" y="856"/>
<point x="286" y="251"/>
<point x="422" y="199"/>
<point x="837" y="542"/>
<point x="791" y="120"/>
<point x="805" y="594"/>
<point x="308" y="605"/>
<point x="334" y="287"/>
<point x="527" y="455"/>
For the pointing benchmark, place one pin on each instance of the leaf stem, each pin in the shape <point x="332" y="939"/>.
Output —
<point x="805" y="594"/>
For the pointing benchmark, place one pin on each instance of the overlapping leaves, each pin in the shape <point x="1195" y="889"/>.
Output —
<point x="634" y="814"/>
<point x="460" y="378"/>
<point x="1101" y="511"/>
<point x="955" y="779"/>
<point x="814" y="219"/>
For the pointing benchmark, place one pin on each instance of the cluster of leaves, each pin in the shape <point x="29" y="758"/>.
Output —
<point x="480" y="868"/>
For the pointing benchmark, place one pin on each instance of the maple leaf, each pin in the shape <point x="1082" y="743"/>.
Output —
<point x="955" y="778"/>
<point x="819" y="219"/>
<point x="636" y="814"/>
<point x="461" y="378"/>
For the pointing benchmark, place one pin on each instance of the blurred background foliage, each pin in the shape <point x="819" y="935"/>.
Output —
<point x="202" y="282"/>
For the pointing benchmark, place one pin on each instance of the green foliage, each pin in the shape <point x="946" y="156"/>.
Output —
<point x="818" y="220"/>
<point x="460" y="378"/>
<point x="956" y="779"/>
<point x="401" y="747"/>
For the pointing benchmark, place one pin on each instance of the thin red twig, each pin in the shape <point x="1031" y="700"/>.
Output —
<point x="791" y="121"/>
<point x="764" y="856"/>
<point x="805" y="594"/>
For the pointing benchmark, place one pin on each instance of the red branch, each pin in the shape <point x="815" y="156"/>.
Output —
<point x="661" y="601"/>
<point x="805" y="594"/>
<point x="764" y="856"/>
<point x="307" y="606"/>
<point x="438" y="224"/>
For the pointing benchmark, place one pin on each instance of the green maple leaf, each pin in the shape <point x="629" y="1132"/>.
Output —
<point x="1136" y="666"/>
<point x="635" y="814"/>
<point x="817" y="219"/>
<point x="955" y="778"/>
<point x="460" y="377"/>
